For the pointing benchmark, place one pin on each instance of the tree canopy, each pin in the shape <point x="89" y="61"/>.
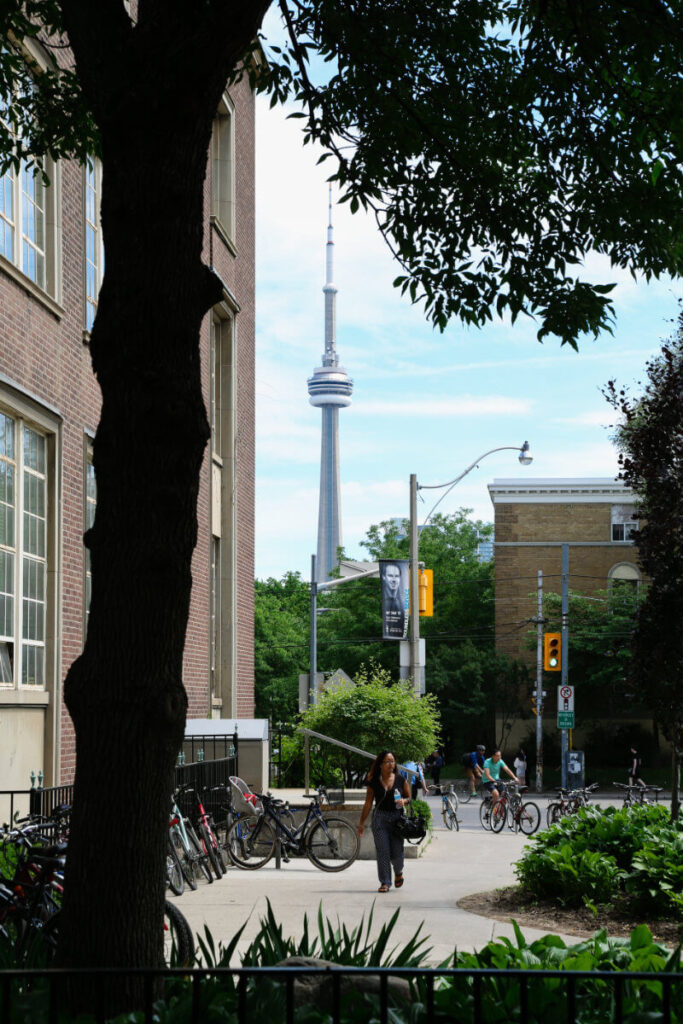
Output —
<point x="463" y="670"/>
<point x="499" y="142"/>
<point x="650" y="439"/>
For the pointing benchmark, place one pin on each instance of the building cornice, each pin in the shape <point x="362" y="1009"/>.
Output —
<point x="555" y="490"/>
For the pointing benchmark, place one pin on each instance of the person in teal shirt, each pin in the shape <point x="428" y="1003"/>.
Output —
<point x="492" y="767"/>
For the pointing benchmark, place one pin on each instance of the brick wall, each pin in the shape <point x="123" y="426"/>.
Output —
<point x="43" y="352"/>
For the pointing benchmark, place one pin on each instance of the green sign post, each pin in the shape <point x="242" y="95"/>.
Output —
<point x="565" y="719"/>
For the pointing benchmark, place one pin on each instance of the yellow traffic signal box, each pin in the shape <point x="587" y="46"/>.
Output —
<point x="552" y="652"/>
<point x="425" y="586"/>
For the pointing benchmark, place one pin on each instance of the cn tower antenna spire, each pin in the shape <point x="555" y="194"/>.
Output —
<point x="330" y="356"/>
<point x="330" y="388"/>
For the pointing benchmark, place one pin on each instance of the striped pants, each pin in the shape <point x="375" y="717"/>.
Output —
<point x="389" y="847"/>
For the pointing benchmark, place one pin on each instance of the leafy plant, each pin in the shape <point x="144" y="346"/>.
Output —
<point x="590" y="857"/>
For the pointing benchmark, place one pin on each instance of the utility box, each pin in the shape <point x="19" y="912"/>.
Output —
<point x="575" y="769"/>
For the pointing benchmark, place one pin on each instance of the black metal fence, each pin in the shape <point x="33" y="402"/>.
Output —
<point x="210" y="748"/>
<point x="465" y="996"/>
<point x="208" y="779"/>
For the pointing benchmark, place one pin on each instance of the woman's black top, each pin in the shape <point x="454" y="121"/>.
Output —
<point x="384" y="798"/>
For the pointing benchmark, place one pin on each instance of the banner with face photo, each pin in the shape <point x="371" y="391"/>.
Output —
<point x="394" y="577"/>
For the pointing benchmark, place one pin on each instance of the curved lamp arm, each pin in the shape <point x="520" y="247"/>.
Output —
<point x="524" y="458"/>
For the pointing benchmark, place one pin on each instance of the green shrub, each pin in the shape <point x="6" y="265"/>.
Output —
<point x="218" y="998"/>
<point x="594" y="856"/>
<point x="423" y="808"/>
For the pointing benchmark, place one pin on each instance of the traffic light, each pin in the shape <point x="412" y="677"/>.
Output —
<point x="533" y="706"/>
<point x="425" y="587"/>
<point x="552" y="652"/>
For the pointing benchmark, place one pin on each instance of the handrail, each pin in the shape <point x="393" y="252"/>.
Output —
<point x="337" y="743"/>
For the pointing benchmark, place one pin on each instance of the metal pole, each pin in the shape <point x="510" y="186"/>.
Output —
<point x="414" y="595"/>
<point x="307" y="763"/>
<point x="313" y="668"/>
<point x="565" y="649"/>
<point x="539" y="686"/>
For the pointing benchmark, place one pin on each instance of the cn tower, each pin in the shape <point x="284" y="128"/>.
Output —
<point x="329" y="388"/>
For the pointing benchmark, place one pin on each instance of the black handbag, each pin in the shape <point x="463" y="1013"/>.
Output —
<point x="412" y="830"/>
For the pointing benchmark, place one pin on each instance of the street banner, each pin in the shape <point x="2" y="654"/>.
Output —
<point x="394" y="576"/>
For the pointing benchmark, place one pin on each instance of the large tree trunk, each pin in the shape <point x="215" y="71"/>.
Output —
<point x="125" y="693"/>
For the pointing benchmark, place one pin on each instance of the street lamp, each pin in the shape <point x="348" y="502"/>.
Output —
<point x="525" y="459"/>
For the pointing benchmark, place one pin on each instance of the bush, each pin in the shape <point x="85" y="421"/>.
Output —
<point x="595" y="855"/>
<point x="218" y="997"/>
<point x="423" y="808"/>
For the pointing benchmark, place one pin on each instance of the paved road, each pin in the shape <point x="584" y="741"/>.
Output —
<point x="455" y="864"/>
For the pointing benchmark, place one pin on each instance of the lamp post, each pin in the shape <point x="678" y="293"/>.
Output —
<point x="525" y="459"/>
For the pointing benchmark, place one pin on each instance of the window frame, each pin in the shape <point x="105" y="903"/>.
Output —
<point x="26" y="415"/>
<point x="90" y="302"/>
<point x="49" y="289"/>
<point x="223" y="171"/>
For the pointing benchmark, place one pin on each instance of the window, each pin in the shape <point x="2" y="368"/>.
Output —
<point x="23" y="552"/>
<point x="89" y="519"/>
<point x="28" y="219"/>
<point x="223" y="169"/>
<point x="93" y="249"/>
<point x="624" y="525"/>
<point x="215" y="616"/>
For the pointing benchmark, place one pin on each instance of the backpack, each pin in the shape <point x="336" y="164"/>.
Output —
<point x="466" y="760"/>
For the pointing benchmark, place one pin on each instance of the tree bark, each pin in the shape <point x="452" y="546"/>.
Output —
<point x="125" y="693"/>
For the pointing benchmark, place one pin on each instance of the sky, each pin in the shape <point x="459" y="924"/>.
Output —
<point x="423" y="402"/>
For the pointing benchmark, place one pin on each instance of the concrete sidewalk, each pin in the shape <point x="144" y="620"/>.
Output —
<point x="453" y="865"/>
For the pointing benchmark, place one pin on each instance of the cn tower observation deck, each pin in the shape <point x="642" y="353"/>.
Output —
<point x="330" y="389"/>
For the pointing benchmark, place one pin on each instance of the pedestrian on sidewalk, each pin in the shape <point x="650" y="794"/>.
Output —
<point x="519" y="764"/>
<point x="635" y="767"/>
<point x="391" y="793"/>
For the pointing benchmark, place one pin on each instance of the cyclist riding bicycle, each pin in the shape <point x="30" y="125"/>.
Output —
<point x="492" y="767"/>
<point x="473" y="763"/>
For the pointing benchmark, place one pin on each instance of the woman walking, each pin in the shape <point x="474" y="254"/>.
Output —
<point x="390" y="793"/>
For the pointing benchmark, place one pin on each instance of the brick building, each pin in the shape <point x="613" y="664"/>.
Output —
<point x="533" y="519"/>
<point x="51" y="265"/>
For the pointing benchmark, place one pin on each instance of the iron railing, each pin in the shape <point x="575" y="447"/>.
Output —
<point x="204" y="777"/>
<point x="477" y="995"/>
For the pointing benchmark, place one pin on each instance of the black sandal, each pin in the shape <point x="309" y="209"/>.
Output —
<point x="383" y="888"/>
<point x="398" y="881"/>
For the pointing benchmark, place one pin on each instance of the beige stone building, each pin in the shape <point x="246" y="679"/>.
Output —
<point x="533" y="519"/>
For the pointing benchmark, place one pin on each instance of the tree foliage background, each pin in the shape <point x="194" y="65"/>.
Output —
<point x="651" y="441"/>
<point x="463" y="670"/>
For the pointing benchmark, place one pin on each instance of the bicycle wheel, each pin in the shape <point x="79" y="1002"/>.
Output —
<point x="529" y="818"/>
<point x="197" y="853"/>
<point x="462" y="788"/>
<point x="174" y="871"/>
<point x="553" y="814"/>
<point x="449" y="810"/>
<point x="499" y="816"/>
<point x="332" y="844"/>
<point x="187" y="862"/>
<point x="485" y="813"/>
<point x="251" y="842"/>
<point x="178" y="941"/>
<point x="209" y="845"/>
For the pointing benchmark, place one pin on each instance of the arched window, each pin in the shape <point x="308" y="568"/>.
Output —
<point x="624" y="574"/>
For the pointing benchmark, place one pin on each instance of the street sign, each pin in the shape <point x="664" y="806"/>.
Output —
<point x="565" y="698"/>
<point x="565" y="719"/>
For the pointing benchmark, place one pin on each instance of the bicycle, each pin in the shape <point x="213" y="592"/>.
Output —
<point x="331" y="844"/>
<point x="203" y="823"/>
<point x="463" y="791"/>
<point x="188" y="848"/>
<point x="568" y="802"/>
<point x="643" y="796"/>
<point x="521" y="815"/>
<point x="449" y="807"/>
